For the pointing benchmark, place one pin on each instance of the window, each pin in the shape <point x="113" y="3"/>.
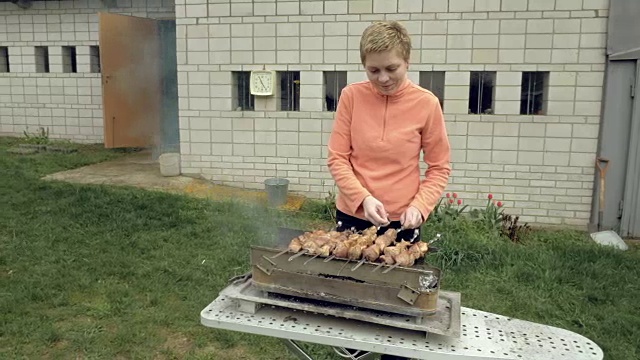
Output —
<point x="69" y="59"/>
<point x="334" y="82"/>
<point x="4" y="59"/>
<point x="434" y="82"/>
<point x="42" y="59"/>
<point x="290" y="91"/>
<point x="242" y="98"/>
<point x="533" y="94"/>
<point x="94" y="59"/>
<point x="481" y="91"/>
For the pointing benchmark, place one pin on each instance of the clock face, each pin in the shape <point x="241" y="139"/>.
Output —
<point x="262" y="83"/>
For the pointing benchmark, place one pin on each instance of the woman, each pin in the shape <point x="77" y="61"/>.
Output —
<point x="380" y="128"/>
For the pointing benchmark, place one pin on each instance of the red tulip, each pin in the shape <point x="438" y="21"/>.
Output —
<point x="459" y="201"/>
<point x="455" y="195"/>
<point x="448" y="195"/>
<point x="490" y="196"/>
<point x="450" y="201"/>
<point x="499" y="204"/>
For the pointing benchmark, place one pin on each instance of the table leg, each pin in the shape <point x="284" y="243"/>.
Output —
<point x="302" y="355"/>
<point x="296" y="350"/>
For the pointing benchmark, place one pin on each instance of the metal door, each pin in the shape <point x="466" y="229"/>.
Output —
<point x="630" y="222"/>
<point x="131" y="80"/>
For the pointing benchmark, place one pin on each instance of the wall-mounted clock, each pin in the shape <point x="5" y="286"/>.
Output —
<point x="262" y="82"/>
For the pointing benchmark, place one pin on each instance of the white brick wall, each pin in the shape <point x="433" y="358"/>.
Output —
<point x="69" y="104"/>
<point x="540" y="166"/>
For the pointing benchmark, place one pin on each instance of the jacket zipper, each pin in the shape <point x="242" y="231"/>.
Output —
<point x="384" y="118"/>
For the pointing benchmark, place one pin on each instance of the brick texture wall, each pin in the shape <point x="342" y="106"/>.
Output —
<point x="541" y="166"/>
<point x="69" y="104"/>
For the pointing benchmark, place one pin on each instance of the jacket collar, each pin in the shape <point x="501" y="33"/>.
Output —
<point x="406" y="84"/>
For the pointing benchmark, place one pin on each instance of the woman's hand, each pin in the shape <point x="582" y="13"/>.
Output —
<point x="374" y="211"/>
<point x="411" y="218"/>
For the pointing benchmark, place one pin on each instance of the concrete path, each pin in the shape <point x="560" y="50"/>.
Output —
<point x="139" y="170"/>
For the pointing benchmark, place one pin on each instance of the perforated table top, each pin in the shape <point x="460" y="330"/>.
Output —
<point x="483" y="335"/>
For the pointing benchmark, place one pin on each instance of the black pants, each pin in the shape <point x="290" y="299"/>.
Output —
<point x="348" y="222"/>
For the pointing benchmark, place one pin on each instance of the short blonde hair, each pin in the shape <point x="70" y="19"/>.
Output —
<point x="383" y="36"/>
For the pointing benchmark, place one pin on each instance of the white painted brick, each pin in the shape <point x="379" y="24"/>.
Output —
<point x="597" y="25"/>
<point x="288" y="8"/>
<point x="596" y="4"/>
<point x="312" y="7"/>
<point x="567" y="26"/>
<point x="539" y="26"/>
<point x="514" y="5"/>
<point x="460" y="27"/>
<point x="409" y="6"/>
<point x="461" y="5"/>
<point x="487" y="5"/>
<point x="569" y="5"/>
<point x="434" y="41"/>
<point x="459" y="56"/>
<point x="436" y="6"/>
<point x="360" y="6"/>
<point x="486" y="41"/>
<point x="487" y="56"/>
<point x="385" y="6"/>
<point x="433" y="27"/>
<point x="336" y="7"/>
<point x="486" y="27"/>
<point x="542" y="5"/>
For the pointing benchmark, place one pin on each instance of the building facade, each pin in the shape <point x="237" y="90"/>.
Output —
<point x="520" y="82"/>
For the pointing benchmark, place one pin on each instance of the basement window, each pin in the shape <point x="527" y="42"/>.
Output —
<point x="334" y="82"/>
<point x="290" y="91"/>
<point x="42" y="59"/>
<point x="94" y="59"/>
<point x="481" y="92"/>
<point x="4" y="59"/>
<point x="434" y="82"/>
<point x="69" y="59"/>
<point x="242" y="98"/>
<point x="533" y="94"/>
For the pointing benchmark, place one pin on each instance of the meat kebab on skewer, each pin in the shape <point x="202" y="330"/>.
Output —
<point x="407" y="257"/>
<point x="372" y="252"/>
<point x="312" y="243"/>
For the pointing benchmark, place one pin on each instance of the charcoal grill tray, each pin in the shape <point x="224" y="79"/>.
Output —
<point x="446" y="320"/>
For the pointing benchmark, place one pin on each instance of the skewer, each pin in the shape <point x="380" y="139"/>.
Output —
<point x="302" y="252"/>
<point x="359" y="264"/>
<point x="329" y="258"/>
<point x="343" y="266"/>
<point x="377" y="267"/>
<point x="314" y="256"/>
<point x="280" y="253"/>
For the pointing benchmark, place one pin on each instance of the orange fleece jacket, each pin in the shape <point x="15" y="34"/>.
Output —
<point x="374" y="149"/>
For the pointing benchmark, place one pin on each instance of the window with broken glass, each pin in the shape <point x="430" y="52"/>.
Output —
<point x="533" y="93"/>
<point x="334" y="82"/>
<point x="481" y="92"/>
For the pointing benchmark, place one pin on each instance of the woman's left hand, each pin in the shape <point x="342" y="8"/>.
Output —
<point x="411" y="218"/>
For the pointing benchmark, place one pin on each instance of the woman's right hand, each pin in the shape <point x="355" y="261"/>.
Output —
<point x="375" y="212"/>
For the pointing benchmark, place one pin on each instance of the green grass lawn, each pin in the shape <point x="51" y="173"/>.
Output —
<point x="110" y="272"/>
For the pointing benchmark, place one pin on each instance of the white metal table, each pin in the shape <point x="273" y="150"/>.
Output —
<point x="483" y="335"/>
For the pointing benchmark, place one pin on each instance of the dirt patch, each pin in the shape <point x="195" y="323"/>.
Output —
<point x="138" y="170"/>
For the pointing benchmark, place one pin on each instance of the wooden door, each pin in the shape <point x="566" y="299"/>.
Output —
<point x="131" y="80"/>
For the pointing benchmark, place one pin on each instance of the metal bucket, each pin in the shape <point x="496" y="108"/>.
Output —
<point x="277" y="189"/>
